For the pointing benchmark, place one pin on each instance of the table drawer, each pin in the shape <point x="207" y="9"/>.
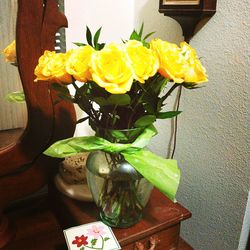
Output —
<point x="163" y="240"/>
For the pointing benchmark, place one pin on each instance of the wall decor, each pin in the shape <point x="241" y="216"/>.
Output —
<point x="192" y="15"/>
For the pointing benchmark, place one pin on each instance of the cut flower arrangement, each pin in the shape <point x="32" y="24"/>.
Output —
<point x="122" y="88"/>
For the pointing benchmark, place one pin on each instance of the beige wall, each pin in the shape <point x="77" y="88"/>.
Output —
<point x="213" y="137"/>
<point x="12" y="115"/>
<point x="213" y="133"/>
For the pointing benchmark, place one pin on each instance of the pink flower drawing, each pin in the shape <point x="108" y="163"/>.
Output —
<point x="96" y="231"/>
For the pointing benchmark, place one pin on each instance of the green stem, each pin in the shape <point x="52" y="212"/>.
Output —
<point x="93" y="248"/>
<point x="135" y="106"/>
<point x="75" y="86"/>
<point x="102" y="242"/>
<point x="169" y="92"/>
<point x="92" y="112"/>
<point x="113" y="119"/>
<point x="103" y="193"/>
<point x="95" y="113"/>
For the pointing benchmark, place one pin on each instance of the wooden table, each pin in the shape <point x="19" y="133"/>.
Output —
<point x="160" y="224"/>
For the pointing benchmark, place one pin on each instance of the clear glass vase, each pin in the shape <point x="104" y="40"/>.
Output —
<point x="119" y="191"/>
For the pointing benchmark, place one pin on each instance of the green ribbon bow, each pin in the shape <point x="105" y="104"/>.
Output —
<point x="164" y="174"/>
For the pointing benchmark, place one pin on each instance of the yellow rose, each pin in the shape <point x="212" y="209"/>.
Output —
<point x="10" y="52"/>
<point x="51" y="67"/>
<point x="77" y="63"/>
<point x="195" y="72"/>
<point x="172" y="62"/>
<point x="144" y="61"/>
<point x="111" y="69"/>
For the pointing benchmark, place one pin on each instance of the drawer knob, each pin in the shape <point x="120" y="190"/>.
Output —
<point x="153" y="241"/>
<point x="139" y="246"/>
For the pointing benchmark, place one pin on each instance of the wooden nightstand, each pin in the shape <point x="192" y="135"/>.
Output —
<point x="160" y="224"/>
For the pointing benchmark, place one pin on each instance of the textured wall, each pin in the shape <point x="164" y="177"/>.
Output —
<point x="212" y="138"/>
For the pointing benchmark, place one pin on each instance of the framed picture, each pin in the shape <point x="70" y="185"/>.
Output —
<point x="180" y="2"/>
<point x="187" y="7"/>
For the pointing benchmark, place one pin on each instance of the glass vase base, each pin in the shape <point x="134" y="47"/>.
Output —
<point x="119" y="223"/>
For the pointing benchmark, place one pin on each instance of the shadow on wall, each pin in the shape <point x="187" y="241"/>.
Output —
<point x="248" y="241"/>
<point x="165" y="27"/>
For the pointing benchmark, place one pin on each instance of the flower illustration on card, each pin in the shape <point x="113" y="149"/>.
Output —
<point x="96" y="239"/>
<point x="80" y="241"/>
<point x="96" y="231"/>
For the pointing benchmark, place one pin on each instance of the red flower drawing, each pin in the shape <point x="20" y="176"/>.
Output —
<point x="80" y="241"/>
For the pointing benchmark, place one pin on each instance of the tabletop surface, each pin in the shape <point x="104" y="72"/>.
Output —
<point x="159" y="214"/>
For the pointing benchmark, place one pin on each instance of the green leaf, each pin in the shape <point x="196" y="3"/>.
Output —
<point x="60" y="88"/>
<point x="149" y="108"/>
<point x="145" y="44"/>
<point x="56" y="102"/>
<point x="124" y="41"/>
<point x="65" y="97"/>
<point x="119" y="135"/>
<point x="95" y="90"/>
<point x="119" y="100"/>
<point x="97" y="47"/>
<point x="169" y="114"/>
<point x="89" y="36"/>
<point x="96" y="36"/>
<point x="79" y="44"/>
<point x="135" y="36"/>
<point x="106" y="238"/>
<point x="159" y="84"/>
<point x="145" y="120"/>
<point x="82" y="99"/>
<point x="150" y="102"/>
<point x="164" y="174"/>
<point x="82" y="119"/>
<point x="191" y="85"/>
<point x="148" y="35"/>
<point x="101" y="45"/>
<point x="17" y="96"/>
<point x="141" y="30"/>
<point x="101" y="101"/>
<point x="93" y="242"/>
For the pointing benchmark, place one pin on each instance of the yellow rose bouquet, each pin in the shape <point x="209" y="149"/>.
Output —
<point x="122" y="88"/>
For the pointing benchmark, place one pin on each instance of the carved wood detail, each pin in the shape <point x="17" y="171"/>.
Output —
<point x="23" y="167"/>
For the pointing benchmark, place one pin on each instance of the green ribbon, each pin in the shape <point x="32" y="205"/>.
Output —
<point x="164" y="174"/>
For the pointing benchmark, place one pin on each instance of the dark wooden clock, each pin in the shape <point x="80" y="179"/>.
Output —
<point x="191" y="14"/>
